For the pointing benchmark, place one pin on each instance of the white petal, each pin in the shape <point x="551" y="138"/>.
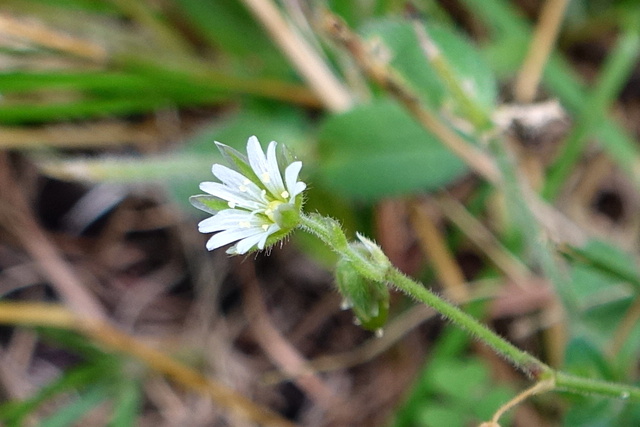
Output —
<point x="227" y="219"/>
<point x="227" y="193"/>
<point x="257" y="159"/>
<point x="272" y="229"/>
<point x="237" y="181"/>
<point x="260" y="166"/>
<point x="245" y="244"/>
<point x="228" y="236"/>
<point x="291" y="176"/>
<point x="275" y="184"/>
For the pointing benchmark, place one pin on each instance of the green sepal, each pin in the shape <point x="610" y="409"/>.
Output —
<point x="239" y="162"/>
<point x="368" y="299"/>
<point x="209" y="204"/>
<point x="287" y="216"/>
<point x="284" y="155"/>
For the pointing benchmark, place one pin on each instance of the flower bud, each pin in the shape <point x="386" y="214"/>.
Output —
<point x="368" y="299"/>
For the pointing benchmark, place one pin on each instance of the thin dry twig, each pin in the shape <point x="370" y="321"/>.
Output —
<point x="433" y="244"/>
<point x="21" y="223"/>
<point x="279" y="350"/>
<point x="538" y="388"/>
<point x="557" y="225"/>
<point x="393" y="332"/>
<point x="106" y="133"/>
<point x="40" y="35"/>
<point x="542" y="43"/>
<point x="384" y="76"/>
<point x="483" y="239"/>
<point x="303" y="57"/>
<point x="53" y="315"/>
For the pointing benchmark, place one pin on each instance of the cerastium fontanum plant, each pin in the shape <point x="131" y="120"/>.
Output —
<point x="259" y="201"/>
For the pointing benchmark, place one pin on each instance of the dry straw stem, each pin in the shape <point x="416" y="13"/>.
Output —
<point x="105" y="133"/>
<point x="39" y="35"/>
<point x="558" y="227"/>
<point x="304" y="58"/>
<point x="537" y="388"/>
<point x="394" y="331"/>
<point x="483" y="239"/>
<point x="19" y="221"/>
<point x="542" y="43"/>
<point x="433" y="244"/>
<point x="52" y="315"/>
<point x="277" y="348"/>
<point x="384" y="76"/>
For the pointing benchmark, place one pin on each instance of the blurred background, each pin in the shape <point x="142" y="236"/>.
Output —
<point x="109" y="110"/>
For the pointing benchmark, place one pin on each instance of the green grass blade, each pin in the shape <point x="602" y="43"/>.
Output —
<point x="614" y="75"/>
<point x="126" y="405"/>
<point x="74" y="412"/>
<point x="13" y="413"/>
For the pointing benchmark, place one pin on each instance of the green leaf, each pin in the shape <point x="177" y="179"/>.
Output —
<point x="409" y="58"/>
<point x="436" y="414"/>
<point x="592" y="412"/>
<point x="583" y="358"/>
<point x="611" y="260"/>
<point x="13" y="413"/>
<point x="461" y="379"/>
<point x="377" y="150"/>
<point x="228" y="26"/>
<point x="73" y="412"/>
<point x="126" y="405"/>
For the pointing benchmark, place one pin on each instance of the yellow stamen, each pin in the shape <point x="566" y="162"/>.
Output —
<point x="271" y="208"/>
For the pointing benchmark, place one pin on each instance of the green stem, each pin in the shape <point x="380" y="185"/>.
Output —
<point x="329" y="231"/>
<point x="588" y="386"/>
<point x="524" y="361"/>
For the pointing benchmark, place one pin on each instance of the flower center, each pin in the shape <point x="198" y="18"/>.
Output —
<point x="271" y="209"/>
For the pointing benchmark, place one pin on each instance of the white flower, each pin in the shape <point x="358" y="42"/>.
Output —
<point x="253" y="204"/>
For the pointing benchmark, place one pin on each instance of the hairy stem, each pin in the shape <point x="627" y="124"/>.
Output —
<point x="330" y="232"/>
<point x="327" y="231"/>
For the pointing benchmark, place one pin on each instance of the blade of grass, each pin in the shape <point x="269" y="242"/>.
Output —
<point x="126" y="405"/>
<point x="509" y="29"/>
<point x="14" y="413"/>
<point x="73" y="412"/>
<point x="614" y="75"/>
<point x="52" y="315"/>
<point x="110" y="169"/>
<point x="39" y="113"/>
<point x="169" y="38"/>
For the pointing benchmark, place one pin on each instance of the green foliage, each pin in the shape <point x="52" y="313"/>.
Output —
<point x="400" y="42"/>
<point x="204" y="54"/>
<point x="377" y="150"/>
<point x="453" y="389"/>
<point x="100" y="378"/>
